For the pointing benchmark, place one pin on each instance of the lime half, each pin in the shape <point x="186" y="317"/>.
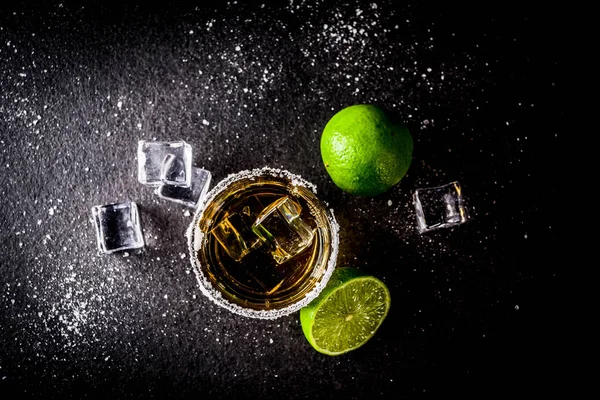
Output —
<point x="347" y="313"/>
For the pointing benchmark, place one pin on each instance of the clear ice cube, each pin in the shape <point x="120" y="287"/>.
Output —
<point x="234" y="232"/>
<point x="173" y="171"/>
<point x="187" y="196"/>
<point x="440" y="207"/>
<point x="257" y="272"/>
<point x="152" y="157"/>
<point x="117" y="227"/>
<point x="280" y="225"/>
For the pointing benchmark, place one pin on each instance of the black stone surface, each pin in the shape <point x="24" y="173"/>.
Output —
<point x="476" y="310"/>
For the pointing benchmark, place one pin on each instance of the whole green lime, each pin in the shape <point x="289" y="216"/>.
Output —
<point x="364" y="152"/>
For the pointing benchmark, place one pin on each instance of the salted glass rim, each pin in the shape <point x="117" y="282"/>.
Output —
<point x="195" y="235"/>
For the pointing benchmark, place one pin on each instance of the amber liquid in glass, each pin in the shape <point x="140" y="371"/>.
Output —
<point x="260" y="274"/>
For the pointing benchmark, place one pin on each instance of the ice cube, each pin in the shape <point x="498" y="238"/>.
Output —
<point x="187" y="196"/>
<point x="151" y="163"/>
<point x="173" y="171"/>
<point x="117" y="227"/>
<point x="440" y="207"/>
<point x="234" y="233"/>
<point x="257" y="272"/>
<point x="280" y="225"/>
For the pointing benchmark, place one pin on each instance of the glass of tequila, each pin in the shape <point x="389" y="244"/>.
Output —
<point x="262" y="244"/>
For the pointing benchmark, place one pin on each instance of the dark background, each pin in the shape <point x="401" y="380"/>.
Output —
<point x="477" y="310"/>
